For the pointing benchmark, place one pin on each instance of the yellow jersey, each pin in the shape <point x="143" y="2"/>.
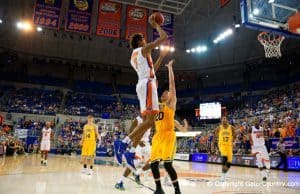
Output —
<point x="225" y="136"/>
<point x="89" y="132"/>
<point x="165" y="119"/>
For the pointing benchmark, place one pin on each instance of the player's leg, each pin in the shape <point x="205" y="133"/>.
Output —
<point x="42" y="157"/>
<point x="45" y="157"/>
<point x="84" y="154"/>
<point x="136" y="136"/>
<point x="156" y="156"/>
<point x="168" y="153"/>
<point x="266" y="160"/>
<point x="120" y="184"/>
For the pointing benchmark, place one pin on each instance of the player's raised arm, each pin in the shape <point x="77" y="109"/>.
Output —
<point x="182" y="128"/>
<point x="162" y="37"/>
<point x="162" y="55"/>
<point x="172" y="89"/>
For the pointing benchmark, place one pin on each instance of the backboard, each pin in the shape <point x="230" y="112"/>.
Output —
<point x="269" y="15"/>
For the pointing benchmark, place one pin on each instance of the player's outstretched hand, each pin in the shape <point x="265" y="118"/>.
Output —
<point x="152" y="22"/>
<point x="170" y="64"/>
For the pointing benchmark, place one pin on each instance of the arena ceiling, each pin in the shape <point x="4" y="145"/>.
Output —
<point x="199" y="23"/>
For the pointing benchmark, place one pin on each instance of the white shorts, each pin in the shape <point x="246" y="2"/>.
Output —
<point x="143" y="154"/>
<point x="146" y="90"/>
<point x="45" y="146"/>
<point x="261" y="151"/>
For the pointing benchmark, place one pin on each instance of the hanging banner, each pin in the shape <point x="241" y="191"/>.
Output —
<point x="168" y="27"/>
<point x="136" y="21"/>
<point x="109" y="19"/>
<point x="79" y="16"/>
<point x="47" y="13"/>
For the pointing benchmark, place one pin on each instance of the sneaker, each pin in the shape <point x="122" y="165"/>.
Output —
<point x="177" y="192"/>
<point x="130" y="159"/>
<point x="120" y="186"/>
<point x="137" y="179"/>
<point x="89" y="172"/>
<point x="159" y="191"/>
<point x="45" y="162"/>
<point x="265" y="175"/>
<point x="223" y="177"/>
<point x="42" y="162"/>
<point x="84" y="170"/>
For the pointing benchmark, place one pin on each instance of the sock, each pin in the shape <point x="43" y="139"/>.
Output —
<point x="91" y="167"/>
<point x="126" y="140"/>
<point x="268" y="165"/>
<point x="176" y="186"/>
<point x="138" y="172"/>
<point x="132" y="150"/>
<point x="122" y="179"/>
<point x="158" y="184"/>
<point x="84" y="166"/>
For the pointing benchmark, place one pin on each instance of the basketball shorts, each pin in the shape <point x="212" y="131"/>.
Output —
<point x="163" y="146"/>
<point x="226" y="151"/>
<point x="262" y="151"/>
<point x="88" y="148"/>
<point x="45" y="146"/>
<point x="146" y="90"/>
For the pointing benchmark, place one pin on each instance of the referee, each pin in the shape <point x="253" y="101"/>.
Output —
<point x="282" y="154"/>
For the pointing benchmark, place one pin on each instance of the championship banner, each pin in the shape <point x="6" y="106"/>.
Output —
<point x="21" y="133"/>
<point x="168" y="27"/>
<point x="79" y="16"/>
<point x="109" y="19"/>
<point x="47" y="13"/>
<point x="136" y="21"/>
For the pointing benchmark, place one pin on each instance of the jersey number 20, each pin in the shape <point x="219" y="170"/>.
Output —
<point x="160" y="116"/>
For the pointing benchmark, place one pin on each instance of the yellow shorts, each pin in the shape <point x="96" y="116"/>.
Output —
<point x="163" y="146"/>
<point x="88" y="148"/>
<point x="226" y="150"/>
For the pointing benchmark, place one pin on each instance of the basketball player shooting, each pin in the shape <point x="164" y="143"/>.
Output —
<point x="146" y="88"/>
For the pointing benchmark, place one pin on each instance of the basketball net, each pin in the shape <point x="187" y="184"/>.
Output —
<point x="271" y="43"/>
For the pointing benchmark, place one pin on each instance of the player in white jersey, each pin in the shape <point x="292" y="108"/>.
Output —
<point x="46" y="138"/>
<point x="146" y="88"/>
<point x="142" y="156"/>
<point x="257" y="141"/>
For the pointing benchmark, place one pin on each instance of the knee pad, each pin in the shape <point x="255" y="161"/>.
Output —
<point x="155" y="169"/>
<point x="224" y="160"/>
<point x="171" y="171"/>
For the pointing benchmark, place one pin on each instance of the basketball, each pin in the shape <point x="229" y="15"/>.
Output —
<point x="159" y="18"/>
<point x="294" y="23"/>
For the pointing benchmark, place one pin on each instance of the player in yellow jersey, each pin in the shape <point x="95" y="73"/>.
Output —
<point x="164" y="139"/>
<point x="88" y="142"/>
<point x="225" y="134"/>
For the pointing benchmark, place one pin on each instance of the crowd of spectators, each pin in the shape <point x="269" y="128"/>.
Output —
<point x="34" y="101"/>
<point x="10" y="145"/>
<point x="100" y="106"/>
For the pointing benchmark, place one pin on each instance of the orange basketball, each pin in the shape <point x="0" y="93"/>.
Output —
<point x="159" y="18"/>
<point x="294" y="23"/>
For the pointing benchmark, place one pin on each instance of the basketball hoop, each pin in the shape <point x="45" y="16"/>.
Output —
<point x="271" y="43"/>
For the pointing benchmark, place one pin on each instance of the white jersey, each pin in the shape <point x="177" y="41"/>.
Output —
<point x="146" y="135"/>
<point x="46" y="134"/>
<point x="143" y="66"/>
<point x="257" y="136"/>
